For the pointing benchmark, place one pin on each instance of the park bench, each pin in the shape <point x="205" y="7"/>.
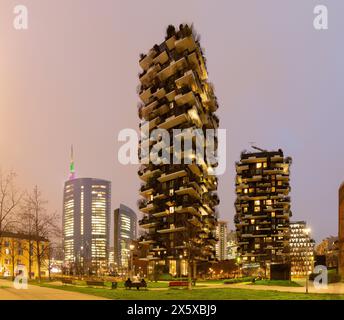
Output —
<point x="136" y="285"/>
<point x="67" y="281"/>
<point x="178" y="284"/>
<point x="94" y="283"/>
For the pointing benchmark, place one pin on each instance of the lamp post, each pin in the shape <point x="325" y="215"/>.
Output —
<point x="131" y="247"/>
<point x="180" y="266"/>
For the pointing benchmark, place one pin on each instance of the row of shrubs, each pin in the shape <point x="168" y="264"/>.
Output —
<point x="238" y="280"/>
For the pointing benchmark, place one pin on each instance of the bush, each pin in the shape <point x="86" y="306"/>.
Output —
<point x="239" y="280"/>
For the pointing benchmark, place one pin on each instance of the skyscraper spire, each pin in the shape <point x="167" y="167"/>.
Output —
<point x="71" y="166"/>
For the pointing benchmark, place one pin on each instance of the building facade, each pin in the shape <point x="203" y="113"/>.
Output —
<point x="263" y="209"/>
<point x="125" y="232"/>
<point x="301" y="249"/>
<point x="232" y="245"/>
<point x="341" y="230"/>
<point x="86" y="224"/>
<point x="327" y="250"/>
<point x="179" y="199"/>
<point x="18" y="252"/>
<point x="221" y="245"/>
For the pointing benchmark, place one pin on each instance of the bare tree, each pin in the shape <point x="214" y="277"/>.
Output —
<point x="10" y="199"/>
<point x="40" y="226"/>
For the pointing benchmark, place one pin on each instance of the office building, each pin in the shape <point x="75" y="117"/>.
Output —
<point x="301" y="249"/>
<point x="221" y="245"/>
<point x="86" y="223"/>
<point x="125" y="232"/>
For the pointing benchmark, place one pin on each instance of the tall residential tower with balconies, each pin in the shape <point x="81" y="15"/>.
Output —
<point x="263" y="210"/>
<point x="179" y="199"/>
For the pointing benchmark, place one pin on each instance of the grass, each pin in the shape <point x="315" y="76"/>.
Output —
<point x="282" y="283"/>
<point x="196" y="294"/>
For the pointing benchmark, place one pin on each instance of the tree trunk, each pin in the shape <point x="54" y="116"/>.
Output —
<point x="38" y="260"/>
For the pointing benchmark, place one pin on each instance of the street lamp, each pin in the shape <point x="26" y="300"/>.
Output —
<point x="131" y="247"/>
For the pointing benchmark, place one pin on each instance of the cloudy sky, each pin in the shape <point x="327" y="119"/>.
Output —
<point x="72" y="77"/>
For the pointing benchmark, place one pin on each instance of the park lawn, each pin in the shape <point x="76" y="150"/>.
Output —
<point x="282" y="283"/>
<point x="120" y="284"/>
<point x="196" y="294"/>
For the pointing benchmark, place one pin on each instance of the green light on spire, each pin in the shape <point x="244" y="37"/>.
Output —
<point x="71" y="166"/>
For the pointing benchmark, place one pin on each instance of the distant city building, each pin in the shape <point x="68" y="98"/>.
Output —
<point x="86" y="223"/>
<point x="125" y="232"/>
<point x="341" y="230"/>
<point x="301" y="249"/>
<point x="180" y="198"/>
<point x="263" y="211"/>
<point x="232" y="245"/>
<point x="221" y="245"/>
<point x="17" y="249"/>
<point x="327" y="252"/>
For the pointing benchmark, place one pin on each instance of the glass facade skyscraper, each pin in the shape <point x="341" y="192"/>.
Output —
<point x="125" y="231"/>
<point x="86" y="223"/>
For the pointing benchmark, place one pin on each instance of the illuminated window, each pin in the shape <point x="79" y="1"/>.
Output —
<point x="272" y="214"/>
<point x="252" y="221"/>
<point x="258" y="165"/>
<point x="171" y="209"/>
<point x="256" y="202"/>
<point x="245" y="190"/>
<point x="256" y="209"/>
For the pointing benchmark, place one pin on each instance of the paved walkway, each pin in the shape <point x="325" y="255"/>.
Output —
<point x="333" y="288"/>
<point x="8" y="292"/>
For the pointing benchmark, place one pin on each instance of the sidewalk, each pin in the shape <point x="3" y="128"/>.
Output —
<point x="34" y="292"/>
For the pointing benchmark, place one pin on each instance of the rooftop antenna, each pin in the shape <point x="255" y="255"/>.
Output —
<point x="252" y="143"/>
<point x="71" y="166"/>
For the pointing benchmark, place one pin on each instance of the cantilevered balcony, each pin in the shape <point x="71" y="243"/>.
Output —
<point x="170" y="43"/>
<point x="160" y="214"/>
<point x="173" y="121"/>
<point x="171" y="176"/>
<point x="187" y="98"/>
<point x="187" y="43"/>
<point x="147" y="223"/>
<point x="145" y="95"/>
<point x="171" y="229"/>
<point x="147" y="60"/>
<point x="171" y="69"/>
<point x="189" y="190"/>
<point x="146" y="110"/>
<point x="146" y="207"/>
<point x="189" y="79"/>
<point x="161" y="58"/>
<point x="146" y="191"/>
<point x="254" y="159"/>
<point x="145" y="175"/>
<point x="187" y="209"/>
<point x="150" y="74"/>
